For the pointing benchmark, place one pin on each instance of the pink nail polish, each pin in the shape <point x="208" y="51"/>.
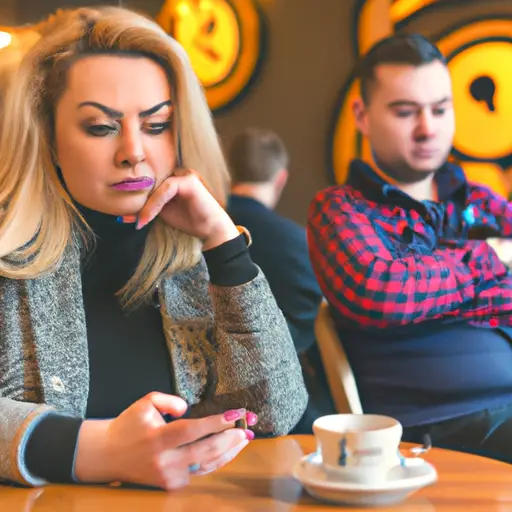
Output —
<point x="252" y="419"/>
<point x="249" y="434"/>
<point x="234" y="414"/>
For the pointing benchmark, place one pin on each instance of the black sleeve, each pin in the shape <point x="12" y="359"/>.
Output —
<point x="230" y="264"/>
<point x="51" y="448"/>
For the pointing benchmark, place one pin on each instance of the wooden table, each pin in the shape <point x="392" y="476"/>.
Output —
<point x="260" y="480"/>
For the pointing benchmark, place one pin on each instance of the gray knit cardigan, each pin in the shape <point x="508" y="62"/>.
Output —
<point x="229" y="346"/>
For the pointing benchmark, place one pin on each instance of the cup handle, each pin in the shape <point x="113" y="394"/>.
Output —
<point x="415" y="453"/>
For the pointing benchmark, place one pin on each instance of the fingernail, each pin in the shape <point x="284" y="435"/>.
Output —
<point x="126" y="219"/>
<point x="249" y="434"/>
<point x="252" y="419"/>
<point x="233" y="414"/>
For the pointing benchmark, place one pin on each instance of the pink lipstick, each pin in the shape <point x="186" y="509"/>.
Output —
<point x="134" y="184"/>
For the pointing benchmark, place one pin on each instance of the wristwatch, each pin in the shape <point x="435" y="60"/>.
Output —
<point x="247" y="235"/>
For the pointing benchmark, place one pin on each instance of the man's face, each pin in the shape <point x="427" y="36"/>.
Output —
<point x="409" y="119"/>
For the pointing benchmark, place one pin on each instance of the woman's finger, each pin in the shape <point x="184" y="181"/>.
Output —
<point x="204" y="453"/>
<point x="156" y="201"/>
<point x="225" y="458"/>
<point x="187" y="431"/>
<point x="251" y="418"/>
<point x="168" y="404"/>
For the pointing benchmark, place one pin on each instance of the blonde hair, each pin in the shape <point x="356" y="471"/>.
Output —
<point x="38" y="220"/>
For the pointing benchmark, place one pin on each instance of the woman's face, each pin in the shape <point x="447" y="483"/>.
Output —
<point x="113" y="132"/>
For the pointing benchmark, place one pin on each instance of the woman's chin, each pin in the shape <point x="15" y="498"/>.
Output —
<point x="126" y="207"/>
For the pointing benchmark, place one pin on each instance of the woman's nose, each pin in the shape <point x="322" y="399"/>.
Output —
<point x="131" y="149"/>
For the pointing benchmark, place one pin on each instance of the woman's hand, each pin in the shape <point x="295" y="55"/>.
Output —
<point x="140" y="447"/>
<point x="183" y="202"/>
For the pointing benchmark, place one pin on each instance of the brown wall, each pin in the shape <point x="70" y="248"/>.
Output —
<point x="8" y="12"/>
<point x="310" y="56"/>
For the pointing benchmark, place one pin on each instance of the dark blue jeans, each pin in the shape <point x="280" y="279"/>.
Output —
<point x="487" y="433"/>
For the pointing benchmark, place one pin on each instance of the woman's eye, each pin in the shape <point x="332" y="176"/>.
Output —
<point x="157" y="128"/>
<point x="101" y="130"/>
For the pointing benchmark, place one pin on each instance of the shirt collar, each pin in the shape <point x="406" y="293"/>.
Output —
<point x="248" y="201"/>
<point x="450" y="179"/>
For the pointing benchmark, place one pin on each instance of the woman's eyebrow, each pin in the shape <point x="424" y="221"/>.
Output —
<point x="116" y="114"/>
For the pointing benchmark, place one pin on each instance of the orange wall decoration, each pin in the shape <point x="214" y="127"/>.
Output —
<point x="225" y="41"/>
<point x="479" y="54"/>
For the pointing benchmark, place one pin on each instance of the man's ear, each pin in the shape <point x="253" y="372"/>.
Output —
<point x="360" y="115"/>
<point x="278" y="184"/>
<point x="281" y="179"/>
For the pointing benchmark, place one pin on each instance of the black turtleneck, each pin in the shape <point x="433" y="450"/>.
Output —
<point x="128" y="357"/>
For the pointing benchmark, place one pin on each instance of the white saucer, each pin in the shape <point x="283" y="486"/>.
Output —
<point x="401" y="483"/>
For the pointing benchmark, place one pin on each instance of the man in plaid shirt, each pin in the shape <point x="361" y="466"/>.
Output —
<point x="422" y="303"/>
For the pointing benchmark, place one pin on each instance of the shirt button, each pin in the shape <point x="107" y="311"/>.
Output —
<point x="57" y="384"/>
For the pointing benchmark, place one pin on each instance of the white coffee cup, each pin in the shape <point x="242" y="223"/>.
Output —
<point x="360" y="448"/>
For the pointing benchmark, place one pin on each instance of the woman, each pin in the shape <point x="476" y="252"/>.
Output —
<point x="101" y="220"/>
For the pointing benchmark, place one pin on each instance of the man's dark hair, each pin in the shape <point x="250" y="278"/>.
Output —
<point x="406" y="49"/>
<point x="256" y="155"/>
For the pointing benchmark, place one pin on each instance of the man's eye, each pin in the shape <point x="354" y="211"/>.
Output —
<point x="404" y="113"/>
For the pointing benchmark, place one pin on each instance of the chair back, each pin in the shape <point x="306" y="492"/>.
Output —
<point x="337" y="368"/>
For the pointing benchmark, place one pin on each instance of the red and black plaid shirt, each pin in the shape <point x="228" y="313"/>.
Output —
<point x="385" y="260"/>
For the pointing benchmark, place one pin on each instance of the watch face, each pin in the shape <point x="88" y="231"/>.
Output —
<point x="223" y="39"/>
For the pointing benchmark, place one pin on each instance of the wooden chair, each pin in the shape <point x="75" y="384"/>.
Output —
<point x="337" y="368"/>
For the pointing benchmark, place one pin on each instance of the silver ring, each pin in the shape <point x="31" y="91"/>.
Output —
<point x="194" y="468"/>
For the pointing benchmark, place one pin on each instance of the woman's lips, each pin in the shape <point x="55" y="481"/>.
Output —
<point x="133" y="185"/>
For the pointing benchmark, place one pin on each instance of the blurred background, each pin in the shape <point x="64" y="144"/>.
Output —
<point x="287" y="65"/>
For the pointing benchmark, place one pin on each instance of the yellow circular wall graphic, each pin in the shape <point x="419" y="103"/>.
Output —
<point x="480" y="62"/>
<point x="223" y="39"/>
<point x="479" y="57"/>
<point x="401" y="9"/>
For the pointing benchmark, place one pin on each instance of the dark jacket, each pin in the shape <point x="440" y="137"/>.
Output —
<point x="280" y="249"/>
